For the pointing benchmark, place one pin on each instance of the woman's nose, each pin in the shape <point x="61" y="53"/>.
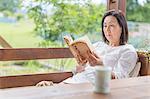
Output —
<point x="108" y="29"/>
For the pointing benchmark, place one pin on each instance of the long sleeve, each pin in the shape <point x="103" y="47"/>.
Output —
<point x="126" y="64"/>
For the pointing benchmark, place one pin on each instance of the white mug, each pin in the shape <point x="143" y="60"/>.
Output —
<point x="102" y="79"/>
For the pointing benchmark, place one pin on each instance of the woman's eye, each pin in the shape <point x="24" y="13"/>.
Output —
<point x="111" y="25"/>
<point x="105" y="26"/>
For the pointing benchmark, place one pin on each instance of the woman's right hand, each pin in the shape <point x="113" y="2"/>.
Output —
<point x="93" y="59"/>
<point x="80" y="60"/>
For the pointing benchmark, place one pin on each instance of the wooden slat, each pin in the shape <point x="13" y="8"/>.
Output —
<point x="32" y="79"/>
<point x="34" y="53"/>
<point x="3" y="43"/>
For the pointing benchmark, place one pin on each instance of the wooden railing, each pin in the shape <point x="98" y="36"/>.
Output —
<point x="47" y="53"/>
<point x="12" y="54"/>
<point x="33" y="54"/>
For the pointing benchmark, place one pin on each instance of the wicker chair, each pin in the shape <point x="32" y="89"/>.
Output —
<point x="144" y="58"/>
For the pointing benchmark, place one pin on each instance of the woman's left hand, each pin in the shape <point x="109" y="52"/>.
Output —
<point x="93" y="59"/>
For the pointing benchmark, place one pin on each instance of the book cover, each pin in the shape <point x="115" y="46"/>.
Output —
<point x="79" y="47"/>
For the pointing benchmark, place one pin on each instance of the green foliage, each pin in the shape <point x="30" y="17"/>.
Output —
<point x="9" y="5"/>
<point x="137" y="12"/>
<point x="30" y="67"/>
<point x="66" y="18"/>
<point x="19" y="16"/>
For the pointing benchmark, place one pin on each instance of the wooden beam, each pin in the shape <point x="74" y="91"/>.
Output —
<point x="117" y="5"/>
<point x="122" y="6"/>
<point x="3" y="43"/>
<point x="112" y="4"/>
<point x="34" y="53"/>
<point x="32" y="79"/>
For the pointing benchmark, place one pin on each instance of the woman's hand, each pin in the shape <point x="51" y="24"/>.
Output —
<point x="93" y="59"/>
<point x="80" y="60"/>
<point x="44" y="83"/>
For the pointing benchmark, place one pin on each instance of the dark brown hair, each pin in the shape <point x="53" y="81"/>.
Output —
<point x="122" y="23"/>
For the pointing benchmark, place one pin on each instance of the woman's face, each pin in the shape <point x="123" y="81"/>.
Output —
<point x="112" y="30"/>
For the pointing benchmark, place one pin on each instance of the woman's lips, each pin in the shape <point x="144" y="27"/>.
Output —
<point x="108" y="35"/>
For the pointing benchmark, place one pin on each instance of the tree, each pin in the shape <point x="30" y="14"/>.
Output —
<point x="148" y="1"/>
<point x="9" y="6"/>
<point x="137" y="12"/>
<point x="66" y="18"/>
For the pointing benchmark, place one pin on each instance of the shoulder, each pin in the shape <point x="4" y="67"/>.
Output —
<point x="128" y="50"/>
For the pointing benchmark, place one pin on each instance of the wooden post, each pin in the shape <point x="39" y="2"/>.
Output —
<point x="3" y="43"/>
<point x="117" y="5"/>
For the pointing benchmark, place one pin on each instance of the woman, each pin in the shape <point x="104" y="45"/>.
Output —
<point x="113" y="52"/>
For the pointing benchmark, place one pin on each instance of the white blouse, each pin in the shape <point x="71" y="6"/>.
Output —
<point x="122" y="59"/>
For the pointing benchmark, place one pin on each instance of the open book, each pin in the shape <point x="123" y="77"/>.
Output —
<point x="79" y="47"/>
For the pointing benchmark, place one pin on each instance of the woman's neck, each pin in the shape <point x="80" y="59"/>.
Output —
<point x="114" y="44"/>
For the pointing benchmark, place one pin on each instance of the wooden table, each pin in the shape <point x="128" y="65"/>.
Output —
<point x="133" y="88"/>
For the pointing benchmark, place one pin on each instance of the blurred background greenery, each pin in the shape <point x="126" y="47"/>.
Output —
<point x="43" y="23"/>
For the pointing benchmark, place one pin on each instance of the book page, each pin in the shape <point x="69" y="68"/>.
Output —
<point x="86" y="40"/>
<point x="80" y="47"/>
